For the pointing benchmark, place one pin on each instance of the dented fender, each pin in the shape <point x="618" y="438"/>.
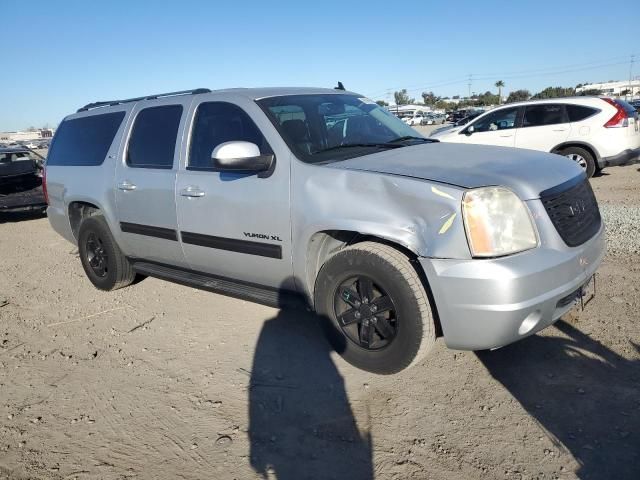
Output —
<point x="422" y="216"/>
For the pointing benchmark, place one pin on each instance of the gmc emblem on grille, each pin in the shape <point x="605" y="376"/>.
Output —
<point x="577" y="208"/>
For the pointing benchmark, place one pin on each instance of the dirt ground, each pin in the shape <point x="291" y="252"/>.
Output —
<point x="163" y="381"/>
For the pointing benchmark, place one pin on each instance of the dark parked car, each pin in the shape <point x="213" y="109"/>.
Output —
<point x="21" y="180"/>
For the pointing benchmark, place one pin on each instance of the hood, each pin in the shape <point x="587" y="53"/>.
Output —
<point x="526" y="172"/>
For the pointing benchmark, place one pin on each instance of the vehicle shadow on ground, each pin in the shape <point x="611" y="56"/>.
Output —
<point x="14" y="217"/>
<point x="582" y="393"/>
<point x="301" y="424"/>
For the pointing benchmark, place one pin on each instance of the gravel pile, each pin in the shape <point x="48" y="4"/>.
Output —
<point x="623" y="228"/>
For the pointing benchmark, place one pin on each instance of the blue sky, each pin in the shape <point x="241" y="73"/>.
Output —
<point x="61" y="55"/>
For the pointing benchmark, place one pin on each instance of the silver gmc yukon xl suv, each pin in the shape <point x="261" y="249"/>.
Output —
<point x="269" y="194"/>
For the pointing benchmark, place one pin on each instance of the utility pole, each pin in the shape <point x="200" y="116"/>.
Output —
<point x="469" y="84"/>
<point x="630" y="77"/>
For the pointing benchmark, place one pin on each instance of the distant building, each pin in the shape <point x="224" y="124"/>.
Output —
<point x="26" y="136"/>
<point x="408" y="110"/>
<point x="614" y="88"/>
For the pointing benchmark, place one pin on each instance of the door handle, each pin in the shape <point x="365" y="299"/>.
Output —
<point x="126" y="185"/>
<point x="559" y="129"/>
<point x="506" y="136"/>
<point x="192" y="191"/>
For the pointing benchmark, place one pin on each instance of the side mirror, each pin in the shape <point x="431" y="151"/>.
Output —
<point x="469" y="130"/>
<point x="237" y="156"/>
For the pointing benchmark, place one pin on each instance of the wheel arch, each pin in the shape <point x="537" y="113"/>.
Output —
<point x="573" y="143"/>
<point x="77" y="211"/>
<point x="324" y="244"/>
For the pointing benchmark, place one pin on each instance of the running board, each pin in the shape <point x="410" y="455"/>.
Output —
<point x="246" y="291"/>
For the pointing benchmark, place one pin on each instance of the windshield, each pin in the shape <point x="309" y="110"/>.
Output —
<point x="331" y="127"/>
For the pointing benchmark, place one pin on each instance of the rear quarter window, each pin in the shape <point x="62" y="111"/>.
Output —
<point x="84" y="141"/>
<point x="579" y="112"/>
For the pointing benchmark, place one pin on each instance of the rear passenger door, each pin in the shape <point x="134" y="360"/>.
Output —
<point x="145" y="181"/>
<point x="235" y="225"/>
<point x="544" y="126"/>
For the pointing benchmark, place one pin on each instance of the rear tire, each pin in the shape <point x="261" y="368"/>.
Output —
<point x="582" y="157"/>
<point x="104" y="263"/>
<point x="376" y="308"/>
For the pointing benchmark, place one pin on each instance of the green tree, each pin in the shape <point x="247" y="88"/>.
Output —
<point x="486" y="98"/>
<point x="444" y="105"/>
<point x="555" y="92"/>
<point x="591" y="92"/>
<point x="382" y="103"/>
<point x="402" y="97"/>
<point x="518" y="96"/>
<point x="499" y="84"/>
<point x="429" y="98"/>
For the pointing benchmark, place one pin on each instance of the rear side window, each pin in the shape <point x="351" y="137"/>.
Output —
<point x="579" y="112"/>
<point x="84" y="141"/>
<point x="153" y="137"/>
<point x="549" y="114"/>
<point x="219" y="122"/>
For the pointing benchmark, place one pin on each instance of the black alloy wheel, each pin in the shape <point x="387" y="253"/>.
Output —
<point x="97" y="257"/>
<point x="102" y="260"/>
<point x="366" y="313"/>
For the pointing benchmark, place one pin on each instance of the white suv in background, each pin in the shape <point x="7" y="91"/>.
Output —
<point x="595" y="132"/>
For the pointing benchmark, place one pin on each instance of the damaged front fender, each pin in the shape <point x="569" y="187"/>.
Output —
<point x="420" y="215"/>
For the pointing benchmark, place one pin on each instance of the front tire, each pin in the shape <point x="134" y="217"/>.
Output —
<point x="582" y="157"/>
<point x="376" y="307"/>
<point x="104" y="263"/>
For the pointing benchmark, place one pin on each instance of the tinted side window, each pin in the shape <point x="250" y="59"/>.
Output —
<point x="219" y="122"/>
<point x="153" y="138"/>
<point x="579" y="112"/>
<point x="501" y="119"/>
<point x="84" y="141"/>
<point x="538" y="115"/>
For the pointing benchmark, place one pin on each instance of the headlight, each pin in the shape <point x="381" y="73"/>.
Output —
<point x="497" y="222"/>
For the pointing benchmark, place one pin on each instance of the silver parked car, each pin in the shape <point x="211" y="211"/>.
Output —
<point x="271" y="194"/>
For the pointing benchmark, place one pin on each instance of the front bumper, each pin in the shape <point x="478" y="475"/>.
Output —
<point x="627" y="157"/>
<point x="490" y="303"/>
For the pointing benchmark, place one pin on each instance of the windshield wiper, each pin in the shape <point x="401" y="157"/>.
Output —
<point x="409" y="137"/>
<point x="358" y="145"/>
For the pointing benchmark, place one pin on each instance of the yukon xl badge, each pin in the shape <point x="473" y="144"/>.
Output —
<point x="263" y="236"/>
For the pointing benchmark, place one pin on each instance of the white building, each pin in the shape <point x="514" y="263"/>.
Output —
<point x="614" y="88"/>
<point x="408" y="110"/>
<point x="10" y="137"/>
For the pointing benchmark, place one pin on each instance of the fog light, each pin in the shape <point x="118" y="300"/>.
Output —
<point x="531" y="321"/>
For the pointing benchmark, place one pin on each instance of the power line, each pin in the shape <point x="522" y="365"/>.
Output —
<point x="543" y="69"/>
<point x="541" y="72"/>
<point x="550" y="73"/>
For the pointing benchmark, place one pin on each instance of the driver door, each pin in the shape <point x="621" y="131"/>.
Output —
<point x="233" y="225"/>
<point x="498" y="127"/>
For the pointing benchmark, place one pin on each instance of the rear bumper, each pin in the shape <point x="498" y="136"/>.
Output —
<point x="21" y="201"/>
<point x="627" y="157"/>
<point x="490" y="303"/>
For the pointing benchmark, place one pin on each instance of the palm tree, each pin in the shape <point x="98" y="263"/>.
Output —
<point x="499" y="84"/>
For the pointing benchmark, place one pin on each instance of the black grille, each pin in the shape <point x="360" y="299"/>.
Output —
<point x="574" y="212"/>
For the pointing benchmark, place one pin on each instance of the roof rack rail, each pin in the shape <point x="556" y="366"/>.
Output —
<point x="106" y="103"/>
